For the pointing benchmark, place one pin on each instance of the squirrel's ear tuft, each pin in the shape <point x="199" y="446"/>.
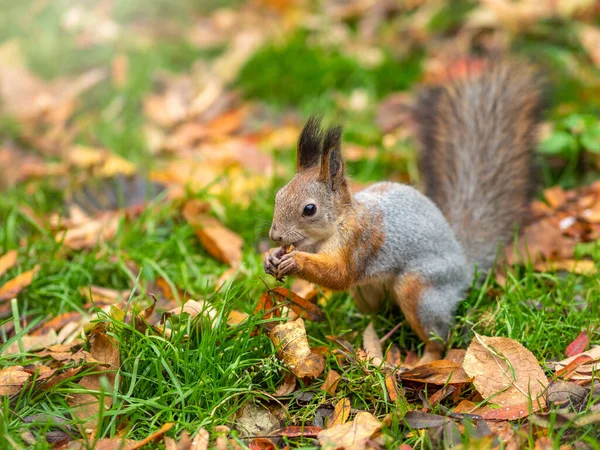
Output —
<point x="310" y="145"/>
<point x="332" y="163"/>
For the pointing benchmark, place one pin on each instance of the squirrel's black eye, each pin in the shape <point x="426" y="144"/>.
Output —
<point x="309" y="210"/>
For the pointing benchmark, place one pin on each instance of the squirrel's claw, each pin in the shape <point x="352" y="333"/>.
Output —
<point x="272" y="259"/>
<point x="288" y="265"/>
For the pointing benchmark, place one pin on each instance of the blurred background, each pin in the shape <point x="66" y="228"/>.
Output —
<point x="211" y="93"/>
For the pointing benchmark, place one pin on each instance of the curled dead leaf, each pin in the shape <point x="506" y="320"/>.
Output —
<point x="437" y="372"/>
<point x="11" y="288"/>
<point x="287" y="386"/>
<point x="91" y="232"/>
<point x="299" y="305"/>
<point x="331" y="382"/>
<point x="341" y="413"/>
<point x="371" y="342"/>
<point x="219" y="241"/>
<point x="86" y="406"/>
<point x="352" y="435"/>
<point x="292" y="347"/>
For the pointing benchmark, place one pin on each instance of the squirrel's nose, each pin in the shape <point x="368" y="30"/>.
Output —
<point x="273" y="234"/>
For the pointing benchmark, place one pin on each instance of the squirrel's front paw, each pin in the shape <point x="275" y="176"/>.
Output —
<point x="272" y="259"/>
<point x="288" y="265"/>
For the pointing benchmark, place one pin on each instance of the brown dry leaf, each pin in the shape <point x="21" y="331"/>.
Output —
<point x="544" y="443"/>
<point x="220" y="242"/>
<point x="287" y="386"/>
<point x="305" y="289"/>
<point x="437" y="372"/>
<point x="19" y="165"/>
<point x="255" y="419"/>
<point x="331" y="382"/>
<point x="61" y="352"/>
<point x="104" y="349"/>
<point x="393" y="356"/>
<point x="7" y="261"/>
<point x="261" y="443"/>
<point x="12" y="379"/>
<point x="504" y="372"/>
<point x="27" y="97"/>
<point x="102" y="296"/>
<point x="184" y="442"/>
<point x="193" y="308"/>
<point x="299" y="305"/>
<point x="30" y="343"/>
<point x="341" y="413"/>
<point x="581" y="267"/>
<point x="456" y="355"/>
<point x="555" y="196"/>
<point x="581" y="367"/>
<point x="236" y="317"/>
<point x="11" y="288"/>
<point x="541" y="240"/>
<point x="91" y="232"/>
<point x="391" y="385"/>
<point x="353" y="435"/>
<point x="174" y="104"/>
<point x="58" y="322"/>
<point x="512" y="412"/>
<point x="292" y="347"/>
<point x="371" y="343"/>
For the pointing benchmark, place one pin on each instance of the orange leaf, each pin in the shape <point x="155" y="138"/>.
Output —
<point x="331" y="382"/>
<point x="437" y="372"/>
<point x="220" y="242"/>
<point x="393" y="356"/>
<point x="299" y="305"/>
<point x="292" y="347"/>
<point x="12" y="287"/>
<point x="7" y="261"/>
<point x="166" y="427"/>
<point x="391" y="384"/>
<point x="261" y="443"/>
<point x="341" y="413"/>
<point x="57" y="323"/>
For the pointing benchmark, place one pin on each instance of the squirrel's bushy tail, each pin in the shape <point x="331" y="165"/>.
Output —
<point x="476" y="136"/>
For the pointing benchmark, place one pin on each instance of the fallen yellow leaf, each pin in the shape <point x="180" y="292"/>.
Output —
<point x="292" y="347"/>
<point x="12" y="287"/>
<point x="7" y="261"/>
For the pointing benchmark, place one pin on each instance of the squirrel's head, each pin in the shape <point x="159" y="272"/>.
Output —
<point x="309" y="207"/>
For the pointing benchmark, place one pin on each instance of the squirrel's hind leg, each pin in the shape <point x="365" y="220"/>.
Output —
<point x="428" y="310"/>
<point x="369" y="297"/>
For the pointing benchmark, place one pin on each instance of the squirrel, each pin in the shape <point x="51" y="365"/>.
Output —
<point x="475" y="135"/>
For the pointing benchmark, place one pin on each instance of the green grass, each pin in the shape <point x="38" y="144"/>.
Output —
<point x="202" y="374"/>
